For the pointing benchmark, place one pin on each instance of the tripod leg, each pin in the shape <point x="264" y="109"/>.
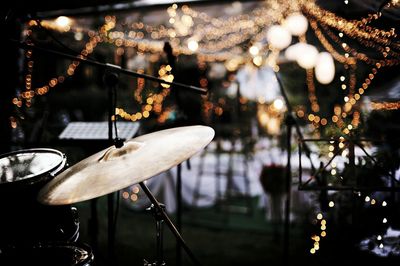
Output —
<point x="169" y="223"/>
<point x="179" y="212"/>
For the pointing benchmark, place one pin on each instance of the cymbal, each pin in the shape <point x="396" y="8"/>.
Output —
<point x="114" y="168"/>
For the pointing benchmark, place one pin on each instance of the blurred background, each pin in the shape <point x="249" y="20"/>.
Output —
<point x="303" y="96"/>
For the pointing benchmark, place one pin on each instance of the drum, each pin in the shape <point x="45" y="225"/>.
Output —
<point x="22" y="174"/>
<point x="48" y="254"/>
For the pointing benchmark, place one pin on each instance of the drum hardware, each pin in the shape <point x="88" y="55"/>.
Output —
<point x="47" y="254"/>
<point x="163" y="215"/>
<point x="111" y="81"/>
<point x="159" y="235"/>
<point x="113" y="169"/>
<point x="23" y="173"/>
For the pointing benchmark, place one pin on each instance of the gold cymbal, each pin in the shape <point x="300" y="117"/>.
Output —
<point x="113" y="169"/>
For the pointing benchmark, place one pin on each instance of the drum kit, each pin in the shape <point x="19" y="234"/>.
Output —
<point x="39" y="226"/>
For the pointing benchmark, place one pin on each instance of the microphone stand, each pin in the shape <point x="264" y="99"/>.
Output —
<point x="108" y="66"/>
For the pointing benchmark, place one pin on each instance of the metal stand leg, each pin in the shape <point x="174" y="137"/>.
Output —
<point x="289" y="123"/>
<point x="169" y="223"/>
<point x="179" y="213"/>
<point x="159" y="235"/>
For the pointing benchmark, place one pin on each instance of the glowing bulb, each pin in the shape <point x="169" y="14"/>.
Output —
<point x="257" y="60"/>
<point x="278" y="104"/>
<point x="308" y="56"/>
<point x="278" y="37"/>
<point x="367" y="199"/>
<point x="324" y="68"/>
<point x="380" y="245"/>
<point x="384" y="204"/>
<point x="193" y="45"/>
<point x="63" y="21"/>
<point x="331" y="204"/>
<point x="293" y="51"/>
<point x="373" y="201"/>
<point x="296" y="23"/>
<point x="384" y="220"/>
<point x="254" y="50"/>
<point x="379" y="237"/>
<point x="319" y="216"/>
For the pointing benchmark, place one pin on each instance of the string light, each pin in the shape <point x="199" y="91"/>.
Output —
<point x="242" y="30"/>
<point x="322" y="234"/>
<point x="362" y="56"/>
<point x="131" y="194"/>
<point x="385" y="105"/>
<point x="356" y="29"/>
<point x="53" y="82"/>
<point x="153" y="102"/>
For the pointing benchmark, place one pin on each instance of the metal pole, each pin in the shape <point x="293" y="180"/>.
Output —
<point x="179" y="213"/>
<point x="286" y="233"/>
<point x="170" y="224"/>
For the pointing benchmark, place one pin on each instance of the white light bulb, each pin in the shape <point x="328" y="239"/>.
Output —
<point x="296" y="23"/>
<point x="63" y="21"/>
<point x="278" y="37"/>
<point x="325" y="68"/>
<point x="308" y="56"/>
<point x="193" y="45"/>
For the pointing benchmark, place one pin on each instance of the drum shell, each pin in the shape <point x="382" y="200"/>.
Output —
<point x="24" y="219"/>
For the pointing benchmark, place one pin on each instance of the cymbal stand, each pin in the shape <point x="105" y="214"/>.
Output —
<point x="159" y="235"/>
<point x="111" y="80"/>
<point x="169" y="223"/>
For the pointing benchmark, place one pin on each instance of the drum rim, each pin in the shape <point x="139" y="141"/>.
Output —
<point x="67" y="244"/>
<point x="56" y="244"/>
<point x="29" y="180"/>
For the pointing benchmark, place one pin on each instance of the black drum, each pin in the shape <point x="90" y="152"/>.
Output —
<point x="49" y="254"/>
<point x="23" y="219"/>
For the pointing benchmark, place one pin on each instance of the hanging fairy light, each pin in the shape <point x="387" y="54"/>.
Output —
<point x="63" y="21"/>
<point x="254" y="50"/>
<point x="193" y="45"/>
<point x="317" y="238"/>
